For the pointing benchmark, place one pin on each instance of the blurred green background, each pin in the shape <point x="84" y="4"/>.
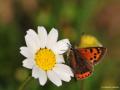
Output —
<point x="100" y="18"/>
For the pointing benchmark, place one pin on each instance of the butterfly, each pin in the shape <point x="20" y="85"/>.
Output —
<point x="82" y="60"/>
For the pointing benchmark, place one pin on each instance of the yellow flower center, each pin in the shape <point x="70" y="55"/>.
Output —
<point x="45" y="59"/>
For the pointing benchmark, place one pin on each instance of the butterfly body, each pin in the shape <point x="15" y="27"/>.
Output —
<point x="82" y="60"/>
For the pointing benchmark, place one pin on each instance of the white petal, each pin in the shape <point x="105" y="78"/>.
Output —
<point x="39" y="73"/>
<point x="62" y="74"/>
<point x="28" y="63"/>
<point x="61" y="46"/>
<point x="43" y="79"/>
<point x="42" y="33"/>
<point x="52" y="38"/>
<point x="35" y="72"/>
<point x="34" y="37"/>
<point x="26" y="52"/>
<point x="54" y="78"/>
<point x="65" y="68"/>
<point x="60" y="59"/>
<point x="31" y="44"/>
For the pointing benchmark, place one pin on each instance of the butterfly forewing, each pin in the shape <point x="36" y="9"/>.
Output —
<point x="92" y="54"/>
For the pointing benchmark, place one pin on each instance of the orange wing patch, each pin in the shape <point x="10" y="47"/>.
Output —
<point x="92" y="54"/>
<point x="82" y="76"/>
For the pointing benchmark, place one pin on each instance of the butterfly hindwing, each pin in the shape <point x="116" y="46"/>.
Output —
<point x="81" y="68"/>
<point x="92" y="54"/>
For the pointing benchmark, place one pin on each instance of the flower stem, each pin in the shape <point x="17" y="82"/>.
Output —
<point x="23" y="85"/>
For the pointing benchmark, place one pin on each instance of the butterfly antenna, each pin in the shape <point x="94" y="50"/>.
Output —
<point x="69" y="45"/>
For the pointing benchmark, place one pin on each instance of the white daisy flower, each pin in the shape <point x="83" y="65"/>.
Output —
<point x="44" y="56"/>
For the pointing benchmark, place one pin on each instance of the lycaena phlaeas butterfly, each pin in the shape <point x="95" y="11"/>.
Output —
<point x="82" y="60"/>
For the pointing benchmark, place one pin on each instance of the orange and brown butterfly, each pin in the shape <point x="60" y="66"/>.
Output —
<point x="83" y="58"/>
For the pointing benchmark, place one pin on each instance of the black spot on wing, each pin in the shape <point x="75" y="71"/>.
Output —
<point x="94" y="57"/>
<point x="98" y="50"/>
<point x="91" y="58"/>
<point x="95" y="54"/>
<point x="91" y="50"/>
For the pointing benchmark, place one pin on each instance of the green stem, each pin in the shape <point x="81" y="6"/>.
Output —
<point x="23" y="85"/>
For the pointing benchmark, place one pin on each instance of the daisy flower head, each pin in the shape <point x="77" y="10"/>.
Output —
<point x="44" y="55"/>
